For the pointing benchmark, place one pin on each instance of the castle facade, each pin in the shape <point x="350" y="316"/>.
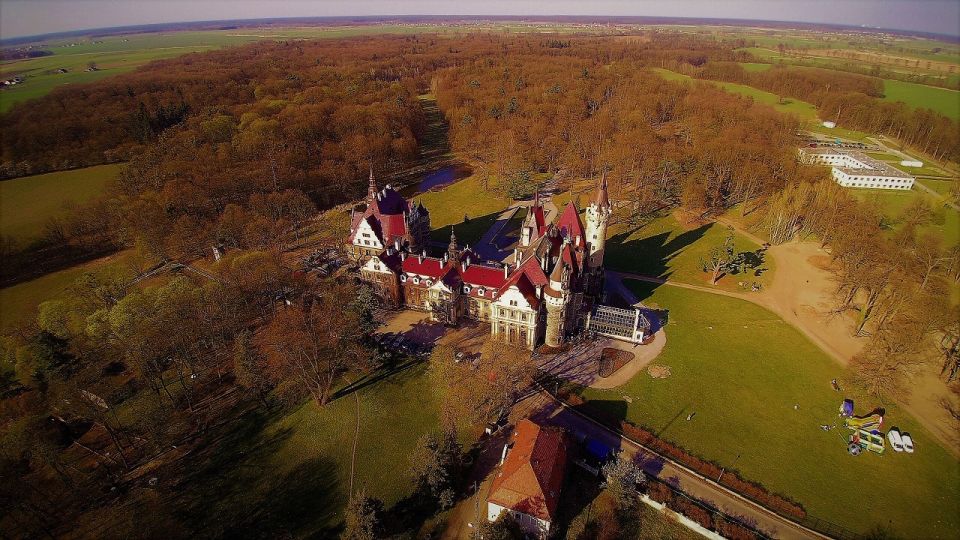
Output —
<point x="538" y="294"/>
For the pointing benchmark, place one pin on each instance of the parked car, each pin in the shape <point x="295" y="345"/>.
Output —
<point x="907" y="442"/>
<point x="895" y="441"/>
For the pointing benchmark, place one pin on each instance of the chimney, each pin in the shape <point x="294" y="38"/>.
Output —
<point x="506" y="271"/>
<point x="403" y="256"/>
<point x="444" y="261"/>
<point x="396" y="243"/>
<point x="578" y="239"/>
<point x="420" y="257"/>
<point x="539" y="289"/>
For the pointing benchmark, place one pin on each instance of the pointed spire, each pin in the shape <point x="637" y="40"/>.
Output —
<point x="452" y="249"/>
<point x="372" y="187"/>
<point x="602" y="200"/>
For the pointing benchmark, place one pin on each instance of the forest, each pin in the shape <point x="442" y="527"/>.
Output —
<point x="240" y="148"/>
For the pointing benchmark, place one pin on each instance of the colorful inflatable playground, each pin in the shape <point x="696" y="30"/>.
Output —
<point x="866" y="432"/>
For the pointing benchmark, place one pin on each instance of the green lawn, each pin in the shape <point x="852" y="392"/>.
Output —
<point x="19" y="301"/>
<point x="27" y="203"/>
<point x="449" y="205"/>
<point x="942" y="100"/>
<point x="753" y="66"/>
<point x="945" y="223"/>
<point x="743" y="371"/>
<point x="663" y="248"/>
<point x="292" y="473"/>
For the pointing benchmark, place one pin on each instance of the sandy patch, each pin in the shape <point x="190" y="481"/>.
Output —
<point x="658" y="371"/>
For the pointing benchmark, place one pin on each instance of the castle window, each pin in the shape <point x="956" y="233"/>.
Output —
<point x="513" y="302"/>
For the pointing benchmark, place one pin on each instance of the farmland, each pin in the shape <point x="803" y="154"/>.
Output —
<point x="942" y="100"/>
<point x="29" y="202"/>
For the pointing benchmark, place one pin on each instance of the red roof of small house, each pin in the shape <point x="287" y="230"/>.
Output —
<point x="570" y="225"/>
<point x="385" y="213"/>
<point x="532" y="475"/>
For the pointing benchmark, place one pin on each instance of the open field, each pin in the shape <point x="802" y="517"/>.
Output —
<point x="945" y="223"/>
<point x="760" y="390"/>
<point x="449" y="205"/>
<point x="942" y="100"/>
<point x="19" y="302"/>
<point x="292" y="472"/>
<point x="666" y="249"/>
<point x="119" y="54"/>
<point x="28" y="202"/>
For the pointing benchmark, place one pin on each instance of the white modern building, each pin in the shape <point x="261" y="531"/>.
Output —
<point x="856" y="169"/>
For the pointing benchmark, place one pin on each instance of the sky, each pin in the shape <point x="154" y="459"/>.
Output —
<point x="32" y="17"/>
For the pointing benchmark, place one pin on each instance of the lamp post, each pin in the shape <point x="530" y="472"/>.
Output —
<point x="724" y="469"/>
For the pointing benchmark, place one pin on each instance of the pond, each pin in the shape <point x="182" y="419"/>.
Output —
<point x="442" y="177"/>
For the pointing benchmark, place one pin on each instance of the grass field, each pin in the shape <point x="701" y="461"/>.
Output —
<point x="760" y="391"/>
<point x="28" y="202"/>
<point x="292" y="473"/>
<point x="946" y="221"/>
<point x="449" y="205"/>
<point x="18" y="302"/>
<point x="942" y="100"/>
<point x="663" y="248"/>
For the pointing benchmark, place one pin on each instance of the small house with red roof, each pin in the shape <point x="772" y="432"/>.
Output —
<point x="530" y="478"/>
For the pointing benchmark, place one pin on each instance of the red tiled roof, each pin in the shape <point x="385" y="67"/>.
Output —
<point x="570" y="225"/>
<point x="483" y="276"/>
<point x="394" y="226"/>
<point x="430" y="266"/>
<point x="532" y="475"/>
<point x="531" y="267"/>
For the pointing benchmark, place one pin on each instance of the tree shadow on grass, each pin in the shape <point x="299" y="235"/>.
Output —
<point x="651" y="255"/>
<point x="231" y="487"/>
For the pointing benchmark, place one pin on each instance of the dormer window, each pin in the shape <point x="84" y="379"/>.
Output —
<point x="481" y="291"/>
<point x="403" y="278"/>
<point x="416" y="280"/>
<point x="466" y="289"/>
<point x="429" y="282"/>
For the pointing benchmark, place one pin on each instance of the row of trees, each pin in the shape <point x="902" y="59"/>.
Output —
<point x="851" y="100"/>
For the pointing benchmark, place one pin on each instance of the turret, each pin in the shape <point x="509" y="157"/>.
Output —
<point x="372" y="187"/>
<point x="556" y="298"/>
<point x="452" y="250"/>
<point x="598" y="216"/>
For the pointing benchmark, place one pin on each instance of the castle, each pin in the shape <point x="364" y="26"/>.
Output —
<point x="538" y="294"/>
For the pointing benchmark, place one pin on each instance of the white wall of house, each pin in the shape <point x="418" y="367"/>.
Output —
<point x="538" y="528"/>
<point x="366" y="237"/>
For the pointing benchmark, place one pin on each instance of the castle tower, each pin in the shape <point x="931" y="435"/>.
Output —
<point x="453" y="251"/>
<point x="372" y="187"/>
<point x="556" y="296"/>
<point x="530" y="230"/>
<point x="598" y="215"/>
